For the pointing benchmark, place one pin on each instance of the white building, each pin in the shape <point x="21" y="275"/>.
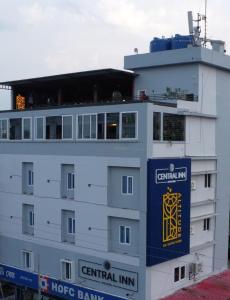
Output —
<point x="73" y="177"/>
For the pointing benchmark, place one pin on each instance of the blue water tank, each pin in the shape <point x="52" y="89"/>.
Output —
<point x="181" y="41"/>
<point x="177" y="42"/>
<point x="158" y="44"/>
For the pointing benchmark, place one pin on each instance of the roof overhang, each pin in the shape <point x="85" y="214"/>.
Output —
<point x="70" y="77"/>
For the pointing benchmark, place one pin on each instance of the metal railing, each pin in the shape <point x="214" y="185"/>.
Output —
<point x="168" y="97"/>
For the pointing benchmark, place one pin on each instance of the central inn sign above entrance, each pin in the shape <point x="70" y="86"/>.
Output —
<point x="108" y="275"/>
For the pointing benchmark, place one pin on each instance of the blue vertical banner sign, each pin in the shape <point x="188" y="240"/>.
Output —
<point x="168" y="209"/>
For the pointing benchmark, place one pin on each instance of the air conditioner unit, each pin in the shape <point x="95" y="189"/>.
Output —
<point x="199" y="267"/>
<point x="192" y="268"/>
<point x="195" y="268"/>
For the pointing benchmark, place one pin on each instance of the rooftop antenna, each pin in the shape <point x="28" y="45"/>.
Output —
<point x="190" y="23"/>
<point x="194" y="31"/>
<point x="205" y="23"/>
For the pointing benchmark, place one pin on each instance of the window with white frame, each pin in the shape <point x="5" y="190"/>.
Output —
<point x="15" y="126"/>
<point x="127" y="185"/>
<point x="168" y="127"/>
<point x="124" y="235"/>
<point x="3" y="129"/>
<point x="67" y="127"/>
<point x="67" y="272"/>
<point x="128" y="125"/>
<point x="26" y="129"/>
<point x="206" y="224"/>
<point x="101" y="126"/>
<point x="67" y="181"/>
<point x="70" y="225"/>
<point x="179" y="273"/>
<point x="28" y="219"/>
<point x="70" y="180"/>
<point x="112" y="126"/>
<point x="53" y="128"/>
<point x="207" y="180"/>
<point x="87" y="126"/>
<point x="27" y="178"/>
<point x="27" y="260"/>
<point x="39" y="128"/>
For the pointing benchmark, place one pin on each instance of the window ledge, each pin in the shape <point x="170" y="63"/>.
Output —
<point x="169" y="142"/>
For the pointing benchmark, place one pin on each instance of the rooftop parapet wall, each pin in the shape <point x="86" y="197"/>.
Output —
<point x="179" y="56"/>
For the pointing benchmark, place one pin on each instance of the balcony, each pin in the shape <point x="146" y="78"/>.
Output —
<point x="100" y="87"/>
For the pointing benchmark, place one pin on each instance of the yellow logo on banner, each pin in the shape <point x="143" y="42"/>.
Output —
<point x="171" y="218"/>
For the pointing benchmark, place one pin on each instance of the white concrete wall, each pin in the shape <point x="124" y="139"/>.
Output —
<point x="200" y="193"/>
<point x="90" y="203"/>
<point x="162" y="275"/>
<point x="200" y="136"/>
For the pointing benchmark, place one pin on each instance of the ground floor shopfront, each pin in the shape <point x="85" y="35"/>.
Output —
<point x="23" y="285"/>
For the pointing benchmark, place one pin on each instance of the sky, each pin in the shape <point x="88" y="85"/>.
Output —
<point x="47" y="37"/>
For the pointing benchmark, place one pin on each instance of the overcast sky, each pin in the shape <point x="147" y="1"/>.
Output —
<point x="47" y="37"/>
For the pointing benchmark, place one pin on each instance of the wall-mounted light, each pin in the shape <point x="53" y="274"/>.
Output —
<point x="14" y="175"/>
<point x="52" y="180"/>
<point x="97" y="185"/>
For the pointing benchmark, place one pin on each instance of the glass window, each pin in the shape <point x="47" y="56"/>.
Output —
<point x="3" y="129"/>
<point x="27" y="260"/>
<point x="101" y="126"/>
<point x="156" y="126"/>
<point x="207" y="180"/>
<point x="182" y="272"/>
<point x="26" y="128"/>
<point x="67" y="130"/>
<point x="70" y="181"/>
<point x="127" y="185"/>
<point x="125" y="235"/>
<point x="179" y="273"/>
<point x="86" y="126"/>
<point x="206" y="225"/>
<point x="128" y="125"/>
<point x="40" y="128"/>
<point x="130" y="185"/>
<point x="31" y="218"/>
<point x="93" y="126"/>
<point x="30" y="178"/>
<point x="16" y="129"/>
<point x="176" y="274"/>
<point x="80" y="126"/>
<point x="112" y="125"/>
<point x="54" y="128"/>
<point x="173" y="127"/>
<point x="71" y="226"/>
<point x="66" y="270"/>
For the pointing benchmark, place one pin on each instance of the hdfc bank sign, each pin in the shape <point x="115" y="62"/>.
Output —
<point x="70" y="291"/>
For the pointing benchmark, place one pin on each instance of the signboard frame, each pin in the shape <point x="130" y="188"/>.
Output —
<point x="168" y="209"/>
